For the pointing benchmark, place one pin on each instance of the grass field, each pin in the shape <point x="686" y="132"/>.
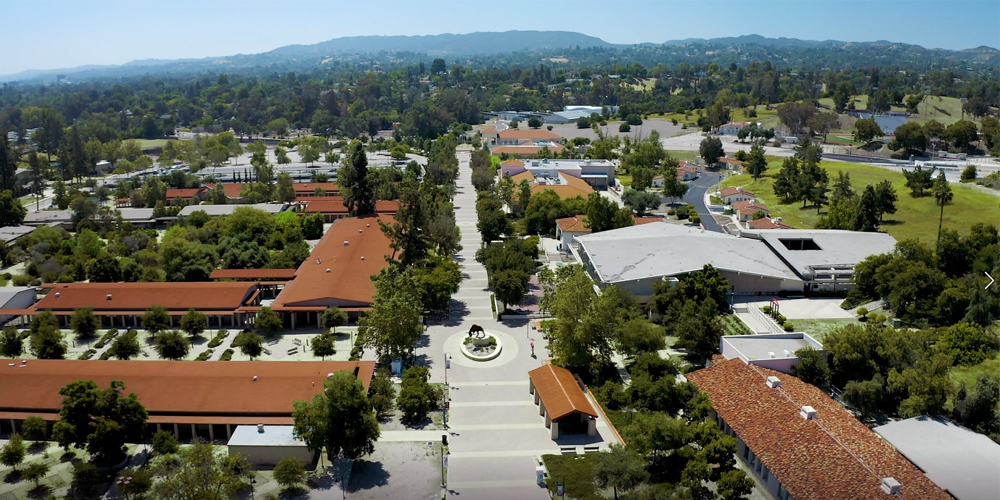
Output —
<point x="688" y="156"/>
<point x="968" y="375"/>
<point x="914" y="218"/>
<point x="818" y="328"/>
<point x="152" y="143"/>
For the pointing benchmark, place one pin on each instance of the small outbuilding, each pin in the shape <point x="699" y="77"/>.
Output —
<point x="561" y="400"/>
<point x="268" y="444"/>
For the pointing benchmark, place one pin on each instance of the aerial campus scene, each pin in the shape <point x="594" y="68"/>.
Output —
<point x="638" y="250"/>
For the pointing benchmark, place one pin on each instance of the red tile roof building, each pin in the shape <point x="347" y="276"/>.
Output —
<point x="745" y="209"/>
<point x="333" y="208"/>
<point x="561" y="399"/>
<point x="768" y="223"/>
<point x="191" y="393"/>
<point x="830" y="456"/>
<point x="338" y="271"/>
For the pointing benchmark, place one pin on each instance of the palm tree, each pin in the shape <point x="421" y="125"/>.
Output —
<point x="943" y="195"/>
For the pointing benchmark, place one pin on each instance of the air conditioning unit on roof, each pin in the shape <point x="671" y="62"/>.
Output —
<point x="773" y="382"/>
<point x="891" y="486"/>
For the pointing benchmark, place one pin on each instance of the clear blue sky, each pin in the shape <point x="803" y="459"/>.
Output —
<point x="45" y="34"/>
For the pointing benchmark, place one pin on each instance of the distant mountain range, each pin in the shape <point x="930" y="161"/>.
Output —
<point x="484" y="44"/>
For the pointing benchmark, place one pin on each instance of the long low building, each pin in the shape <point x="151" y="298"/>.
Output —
<point x="800" y="444"/>
<point x="189" y="398"/>
<point x="636" y="257"/>
<point x="765" y="262"/>
<point x="121" y="305"/>
<point x="338" y="272"/>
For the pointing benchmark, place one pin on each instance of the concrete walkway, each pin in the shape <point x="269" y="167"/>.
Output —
<point x="495" y="429"/>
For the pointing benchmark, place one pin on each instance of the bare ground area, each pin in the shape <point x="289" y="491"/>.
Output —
<point x="397" y="471"/>
<point x="661" y="125"/>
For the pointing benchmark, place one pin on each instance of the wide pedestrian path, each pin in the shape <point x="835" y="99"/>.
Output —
<point x="495" y="430"/>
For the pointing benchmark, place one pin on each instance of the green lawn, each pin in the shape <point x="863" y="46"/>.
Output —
<point x="732" y="325"/>
<point x="968" y="375"/>
<point x="688" y="156"/>
<point x="818" y="328"/>
<point x="152" y="143"/>
<point x="576" y="472"/>
<point x="914" y="218"/>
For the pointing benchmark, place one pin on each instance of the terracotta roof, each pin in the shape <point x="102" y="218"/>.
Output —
<point x="814" y="459"/>
<point x="187" y="194"/>
<point x="488" y="130"/>
<point x="216" y="392"/>
<point x="232" y="189"/>
<point x="578" y="224"/>
<point x="767" y="223"/>
<point x="512" y="163"/>
<point x="748" y="206"/>
<point x="559" y="392"/>
<point x="575" y="224"/>
<point x="647" y="219"/>
<point x="262" y="274"/>
<point x="524" y="150"/>
<point x="730" y="161"/>
<point x="516" y="133"/>
<point x="574" y="186"/>
<point x="688" y="169"/>
<point x="308" y="188"/>
<point x="738" y="124"/>
<point x="334" y="205"/>
<point x="730" y="191"/>
<point x="178" y="296"/>
<point x="338" y="271"/>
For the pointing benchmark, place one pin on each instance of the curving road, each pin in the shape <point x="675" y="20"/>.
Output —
<point x="696" y="197"/>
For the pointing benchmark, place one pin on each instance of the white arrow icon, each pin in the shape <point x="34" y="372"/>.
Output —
<point x="991" y="280"/>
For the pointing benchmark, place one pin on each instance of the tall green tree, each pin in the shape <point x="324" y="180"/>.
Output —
<point x="603" y="214"/>
<point x="619" y="468"/>
<point x="172" y="345"/>
<point x="84" y="323"/>
<point x="156" y="319"/>
<point x="11" y="344"/>
<point x="867" y="216"/>
<point x="194" y="322"/>
<point x="942" y="196"/>
<point x="8" y="167"/>
<point x="756" y="164"/>
<point x="885" y="193"/>
<point x="393" y="325"/>
<point x="339" y="419"/>
<point x="711" y="149"/>
<point x="12" y="453"/>
<point x="102" y="420"/>
<point x="918" y="180"/>
<point x="359" y="194"/>
<point x="12" y="213"/>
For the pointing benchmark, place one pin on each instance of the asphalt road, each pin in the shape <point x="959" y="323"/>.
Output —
<point x="696" y="197"/>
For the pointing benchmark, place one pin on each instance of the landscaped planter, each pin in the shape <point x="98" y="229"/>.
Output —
<point x="481" y="349"/>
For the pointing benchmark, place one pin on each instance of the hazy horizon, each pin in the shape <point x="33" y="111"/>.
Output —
<point x="114" y="32"/>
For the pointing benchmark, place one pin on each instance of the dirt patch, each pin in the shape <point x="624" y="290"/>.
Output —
<point x="397" y="470"/>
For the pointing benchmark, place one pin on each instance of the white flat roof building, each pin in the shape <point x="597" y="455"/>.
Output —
<point x="771" y="350"/>
<point x="267" y="444"/>
<point x="824" y="258"/>
<point x="636" y="257"/>
<point x="963" y="462"/>
<point x="219" y="210"/>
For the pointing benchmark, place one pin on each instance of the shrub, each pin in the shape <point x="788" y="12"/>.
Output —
<point x="624" y="127"/>
<point x="89" y="353"/>
<point x="766" y="309"/>
<point x="788" y="327"/>
<point x="881" y="319"/>
<point x="7" y="276"/>
<point x="673" y="121"/>
<point x="106" y="356"/>
<point x="671" y="212"/>
<point x="290" y="472"/>
<point x="776" y="143"/>
<point x="782" y="318"/>
<point x="21" y="280"/>
<point x="862" y="311"/>
<point x="107" y="337"/>
<point x="696" y="219"/>
<point x="164" y="443"/>
<point x="227" y="355"/>
<point x="217" y="339"/>
<point x="36" y="282"/>
<point x="205" y="355"/>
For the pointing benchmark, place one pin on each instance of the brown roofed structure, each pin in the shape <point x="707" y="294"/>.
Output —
<point x="574" y="186"/>
<point x="253" y="274"/>
<point x="306" y="189"/>
<point x="332" y="207"/>
<point x="730" y="191"/>
<point x="338" y="271"/>
<point x="560" y="392"/>
<point x="178" y="391"/>
<point x="818" y="459"/>
<point x="524" y="150"/>
<point x="114" y="298"/>
<point x="516" y="133"/>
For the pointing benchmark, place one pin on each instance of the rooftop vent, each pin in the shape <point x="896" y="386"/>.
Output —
<point x="890" y="485"/>
<point x="328" y="375"/>
<point x="368" y="225"/>
<point x="57" y="295"/>
<point x="109" y="296"/>
<point x="787" y="354"/>
<point x="328" y="269"/>
<point x="770" y="354"/>
<point x="362" y="257"/>
<point x="346" y="243"/>
<point x="260" y="428"/>
<point x="254" y="378"/>
<point x="773" y="382"/>
<point x="359" y="230"/>
<point x="808" y="412"/>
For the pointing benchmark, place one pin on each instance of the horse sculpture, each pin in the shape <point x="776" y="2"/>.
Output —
<point x="478" y="330"/>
